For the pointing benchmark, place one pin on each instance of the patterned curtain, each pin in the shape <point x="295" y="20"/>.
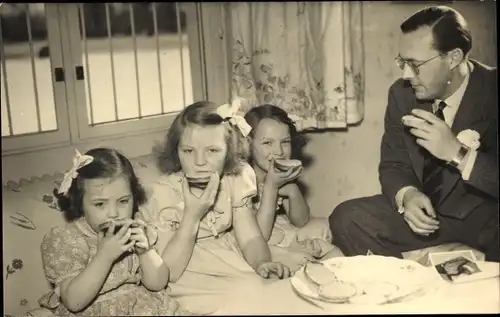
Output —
<point x="305" y="57"/>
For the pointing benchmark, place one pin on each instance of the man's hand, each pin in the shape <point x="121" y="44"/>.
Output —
<point x="419" y="213"/>
<point x="434" y="135"/>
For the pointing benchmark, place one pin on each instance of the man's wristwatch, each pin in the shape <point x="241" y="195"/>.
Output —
<point x="457" y="159"/>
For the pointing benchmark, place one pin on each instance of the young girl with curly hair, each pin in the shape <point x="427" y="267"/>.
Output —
<point x="104" y="273"/>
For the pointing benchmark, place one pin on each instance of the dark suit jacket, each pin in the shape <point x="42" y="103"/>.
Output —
<point x="402" y="161"/>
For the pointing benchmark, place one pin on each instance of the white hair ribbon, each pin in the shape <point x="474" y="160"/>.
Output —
<point x="228" y="111"/>
<point x="79" y="161"/>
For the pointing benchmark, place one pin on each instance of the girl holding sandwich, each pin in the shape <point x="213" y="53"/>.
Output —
<point x="281" y="208"/>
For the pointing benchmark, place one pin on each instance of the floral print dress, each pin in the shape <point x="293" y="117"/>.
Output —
<point x="66" y="252"/>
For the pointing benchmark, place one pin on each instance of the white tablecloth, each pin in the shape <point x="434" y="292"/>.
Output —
<point x="279" y="298"/>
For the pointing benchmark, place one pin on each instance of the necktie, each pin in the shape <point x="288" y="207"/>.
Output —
<point x="433" y="170"/>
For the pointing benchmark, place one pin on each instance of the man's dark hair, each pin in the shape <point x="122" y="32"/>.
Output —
<point x="449" y="28"/>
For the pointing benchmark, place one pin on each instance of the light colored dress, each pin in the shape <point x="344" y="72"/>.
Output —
<point x="67" y="250"/>
<point x="217" y="268"/>
<point x="285" y="234"/>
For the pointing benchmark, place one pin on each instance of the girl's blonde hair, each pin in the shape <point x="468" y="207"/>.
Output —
<point x="201" y="113"/>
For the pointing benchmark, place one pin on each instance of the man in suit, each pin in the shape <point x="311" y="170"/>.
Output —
<point x="438" y="185"/>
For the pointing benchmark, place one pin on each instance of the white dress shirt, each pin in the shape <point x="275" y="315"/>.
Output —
<point x="453" y="103"/>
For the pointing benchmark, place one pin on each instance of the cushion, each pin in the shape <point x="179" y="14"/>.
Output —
<point x="28" y="213"/>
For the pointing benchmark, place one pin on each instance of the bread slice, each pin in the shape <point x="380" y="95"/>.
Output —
<point x="323" y="282"/>
<point x="337" y="292"/>
<point x="318" y="274"/>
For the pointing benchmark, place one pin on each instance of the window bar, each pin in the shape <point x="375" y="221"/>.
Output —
<point x="86" y="52"/>
<point x="33" y="68"/>
<point x="201" y="49"/>
<point x="5" y="89"/>
<point x="136" y="64"/>
<point x="225" y="46"/>
<point x="179" y="32"/>
<point x="155" y="25"/>
<point x="110" y="39"/>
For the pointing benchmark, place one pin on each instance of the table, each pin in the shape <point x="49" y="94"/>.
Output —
<point x="279" y="298"/>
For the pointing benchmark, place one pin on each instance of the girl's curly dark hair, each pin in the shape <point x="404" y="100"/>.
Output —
<point x="106" y="163"/>
<point x="268" y="111"/>
<point x="200" y="113"/>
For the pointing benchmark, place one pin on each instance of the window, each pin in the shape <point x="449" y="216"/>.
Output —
<point x="33" y="100"/>
<point x="102" y="69"/>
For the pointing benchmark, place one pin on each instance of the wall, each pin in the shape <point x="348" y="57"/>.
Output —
<point x="346" y="163"/>
<point x="59" y="159"/>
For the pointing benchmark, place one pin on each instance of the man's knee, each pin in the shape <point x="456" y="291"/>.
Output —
<point x="361" y="212"/>
<point x="345" y="214"/>
<point x="492" y="243"/>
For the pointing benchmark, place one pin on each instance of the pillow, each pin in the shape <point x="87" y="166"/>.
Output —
<point x="145" y="168"/>
<point x="28" y="213"/>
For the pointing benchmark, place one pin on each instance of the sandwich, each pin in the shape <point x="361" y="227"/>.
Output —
<point x="198" y="182"/>
<point x="285" y="165"/>
<point x="104" y="227"/>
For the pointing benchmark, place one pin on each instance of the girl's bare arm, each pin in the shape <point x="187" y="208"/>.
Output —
<point x="179" y="249"/>
<point x="296" y="207"/>
<point x="248" y="234"/>
<point x="154" y="272"/>
<point x="266" y="214"/>
<point x="79" y="291"/>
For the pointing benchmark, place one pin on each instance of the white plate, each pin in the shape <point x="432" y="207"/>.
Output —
<point x="377" y="279"/>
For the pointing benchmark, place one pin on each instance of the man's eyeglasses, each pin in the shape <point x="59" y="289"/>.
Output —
<point x="401" y="62"/>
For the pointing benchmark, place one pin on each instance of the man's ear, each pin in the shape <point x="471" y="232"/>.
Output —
<point x="456" y="57"/>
